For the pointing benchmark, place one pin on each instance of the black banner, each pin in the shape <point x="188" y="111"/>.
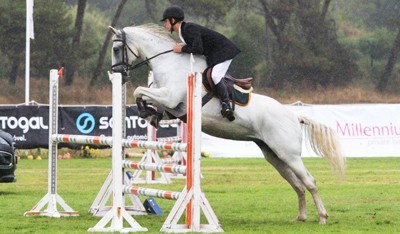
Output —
<point x="29" y="125"/>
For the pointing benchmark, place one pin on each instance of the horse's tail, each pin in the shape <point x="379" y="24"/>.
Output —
<point x="325" y="142"/>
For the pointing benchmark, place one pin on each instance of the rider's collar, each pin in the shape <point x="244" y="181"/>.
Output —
<point x="180" y="34"/>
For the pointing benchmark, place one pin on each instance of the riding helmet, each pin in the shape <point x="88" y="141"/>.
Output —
<point x="175" y="12"/>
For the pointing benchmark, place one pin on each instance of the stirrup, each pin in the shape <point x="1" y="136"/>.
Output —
<point x="227" y="112"/>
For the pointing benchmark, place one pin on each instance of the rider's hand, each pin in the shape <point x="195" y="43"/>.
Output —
<point x="177" y="48"/>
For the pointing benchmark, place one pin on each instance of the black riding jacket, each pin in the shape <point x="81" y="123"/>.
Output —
<point x="203" y="41"/>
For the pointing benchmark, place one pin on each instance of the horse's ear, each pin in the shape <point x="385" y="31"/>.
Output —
<point x="115" y="31"/>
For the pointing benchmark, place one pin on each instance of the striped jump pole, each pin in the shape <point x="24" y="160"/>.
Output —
<point x="168" y="168"/>
<point x="127" y="143"/>
<point x="82" y="139"/>
<point x="170" y="160"/>
<point x="52" y="199"/>
<point x="152" y="192"/>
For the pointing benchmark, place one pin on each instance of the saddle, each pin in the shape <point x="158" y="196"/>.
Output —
<point x="239" y="92"/>
<point x="239" y="89"/>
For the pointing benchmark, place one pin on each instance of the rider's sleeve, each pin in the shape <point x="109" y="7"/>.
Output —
<point x="193" y="39"/>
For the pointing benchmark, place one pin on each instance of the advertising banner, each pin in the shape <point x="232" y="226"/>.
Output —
<point x="364" y="130"/>
<point x="29" y="125"/>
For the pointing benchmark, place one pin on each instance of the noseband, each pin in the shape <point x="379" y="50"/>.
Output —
<point x="125" y="60"/>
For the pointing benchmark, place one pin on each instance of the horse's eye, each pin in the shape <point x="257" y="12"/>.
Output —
<point x="116" y="49"/>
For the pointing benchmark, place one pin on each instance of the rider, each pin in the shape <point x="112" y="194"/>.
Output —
<point x="218" y="50"/>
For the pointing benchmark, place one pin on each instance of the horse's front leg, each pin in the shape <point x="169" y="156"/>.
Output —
<point x="149" y="113"/>
<point x="157" y="96"/>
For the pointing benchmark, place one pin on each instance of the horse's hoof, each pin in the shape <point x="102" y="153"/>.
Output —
<point x="155" y="120"/>
<point x="145" y="113"/>
<point x="322" y="220"/>
<point x="301" y="218"/>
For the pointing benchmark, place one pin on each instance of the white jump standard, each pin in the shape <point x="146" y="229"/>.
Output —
<point x="117" y="214"/>
<point x="52" y="199"/>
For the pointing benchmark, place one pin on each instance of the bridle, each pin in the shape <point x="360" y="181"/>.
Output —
<point x="125" y="60"/>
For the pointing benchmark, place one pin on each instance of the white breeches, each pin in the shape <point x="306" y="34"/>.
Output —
<point x="219" y="71"/>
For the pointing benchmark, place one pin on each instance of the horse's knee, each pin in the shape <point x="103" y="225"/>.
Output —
<point x="136" y="93"/>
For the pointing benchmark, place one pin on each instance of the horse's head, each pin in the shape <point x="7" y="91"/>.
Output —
<point x="122" y="54"/>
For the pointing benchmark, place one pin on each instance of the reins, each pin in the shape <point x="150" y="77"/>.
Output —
<point x="146" y="61"/>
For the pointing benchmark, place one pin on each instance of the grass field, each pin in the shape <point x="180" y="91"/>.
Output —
<point x="247" y="195"/>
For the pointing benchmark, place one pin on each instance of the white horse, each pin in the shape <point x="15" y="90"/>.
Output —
<point x="275" y="129"/>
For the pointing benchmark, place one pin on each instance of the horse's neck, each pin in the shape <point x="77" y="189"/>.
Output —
<point x="167" y="68"/>
<point x="150" y="45"/>
<point x="173" y="66"/>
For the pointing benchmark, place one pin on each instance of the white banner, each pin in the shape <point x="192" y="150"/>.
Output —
<point x="365" y="130"/>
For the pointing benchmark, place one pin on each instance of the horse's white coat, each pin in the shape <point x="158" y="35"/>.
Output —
<point x="275" y="129"/>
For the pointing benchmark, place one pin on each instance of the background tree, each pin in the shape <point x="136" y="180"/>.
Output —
<point x="103" y="50"/>
<point x="370" y="27"/>
<point x="307" y="50"/>
<point x="387" y="15"/>
<point x="50" y="45"/>
<point x="73" y="58"/>
<point x="285" y="44"/>
<point x="211" y="12"/>
<point x="394" y="53"/>
<point x="52" y="37"/>
<point x="151" y="10"/>
<point x="12" y="35"/>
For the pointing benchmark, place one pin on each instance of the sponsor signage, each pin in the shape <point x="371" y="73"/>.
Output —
<point x="29" y="125"/>
<point x="365" y="130"/>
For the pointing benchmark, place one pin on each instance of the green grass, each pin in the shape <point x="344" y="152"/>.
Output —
<point x="247" y="195"/>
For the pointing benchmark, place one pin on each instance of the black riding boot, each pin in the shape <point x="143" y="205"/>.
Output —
<point x="223" y="94"/>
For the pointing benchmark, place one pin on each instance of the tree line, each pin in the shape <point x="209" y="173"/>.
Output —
<point x="297" y="42"/>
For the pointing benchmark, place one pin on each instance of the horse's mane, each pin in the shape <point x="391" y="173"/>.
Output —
<point x="155" y="30"/>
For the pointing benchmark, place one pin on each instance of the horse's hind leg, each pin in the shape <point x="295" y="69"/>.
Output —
<point x="291" y="158"/>
<point x="289" y="176"/>
<point x="297" y="166"/>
